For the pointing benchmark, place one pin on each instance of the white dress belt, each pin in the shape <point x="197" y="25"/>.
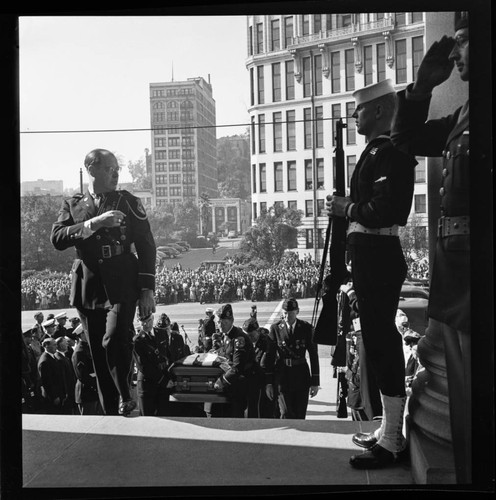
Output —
<point x="356" y="227"/>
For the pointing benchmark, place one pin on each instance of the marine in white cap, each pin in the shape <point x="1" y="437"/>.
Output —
<point x="381" y="192"/>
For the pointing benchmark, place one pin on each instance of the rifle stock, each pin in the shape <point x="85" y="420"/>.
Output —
<point x="326" y="328"/>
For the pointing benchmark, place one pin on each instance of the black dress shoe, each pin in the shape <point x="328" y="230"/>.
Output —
<point x="126" y="407"/>
<point x="377" y="457"/>
<point x="364" y="440"/>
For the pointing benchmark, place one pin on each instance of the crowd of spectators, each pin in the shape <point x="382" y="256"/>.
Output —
<point x="293" y="278"/>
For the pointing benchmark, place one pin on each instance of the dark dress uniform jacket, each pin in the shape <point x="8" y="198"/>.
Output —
<point x="86" y="389"/>
<point x="449" y="296"/>
<point x="152" y="356"/>
<point x="285" y="349"/>
<point x="51" y="378"/>
<point x="240" y="353"/>
<point x="106" y="267"/>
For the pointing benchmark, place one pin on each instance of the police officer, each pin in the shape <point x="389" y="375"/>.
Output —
<point x="108" y="279"/>
<point x="240" y="354"/>
<point x="152" y="357"/>
<point x="449" y="296"/>
<point x="381" y="196"/>
<point x="60" y="328"/>
<point x="286" y="366"/>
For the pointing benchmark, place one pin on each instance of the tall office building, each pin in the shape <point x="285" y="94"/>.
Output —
<point x="183" y="158"/>
<point x="303" y="70"/>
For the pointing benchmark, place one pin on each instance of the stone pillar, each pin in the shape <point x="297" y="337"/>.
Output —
<point x="428" y="421"/>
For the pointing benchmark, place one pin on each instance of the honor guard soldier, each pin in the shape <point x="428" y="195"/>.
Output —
<point x="449" y="294"/>
<point x="152" y="357"/>
<point x="286" y="365"/>
<point x="381" y="193"/>
<point x="114" y="271"/>
<point x="240" y="354"/>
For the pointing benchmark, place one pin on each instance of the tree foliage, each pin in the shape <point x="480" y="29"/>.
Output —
<point x="141" y="179"/>
<point x="273" y="232"/>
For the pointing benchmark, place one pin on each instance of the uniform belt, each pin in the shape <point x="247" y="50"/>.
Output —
<point x="109" y="251"/>
<point x="294" y="362"/>
<point x="450" y="226"/>
<point x="356" y="227"/>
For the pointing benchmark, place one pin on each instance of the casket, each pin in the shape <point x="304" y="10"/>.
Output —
<point x="194" y="377"/>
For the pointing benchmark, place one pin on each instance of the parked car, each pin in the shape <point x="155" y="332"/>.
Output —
<point x="168" y="251"/>
<point x="184" y="244"/>
<point x="232" y="234"/>
<point x="413" y="302"/>
<point x="177" y="247"/>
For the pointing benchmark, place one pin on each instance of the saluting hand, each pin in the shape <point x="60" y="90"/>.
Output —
<point x="112" y="218"/>
<point x="436" y="67"/>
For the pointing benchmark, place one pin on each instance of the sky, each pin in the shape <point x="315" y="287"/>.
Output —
<point x="85" y="73"/>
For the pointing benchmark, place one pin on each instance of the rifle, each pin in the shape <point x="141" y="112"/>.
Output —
<point x="326" y="327"/>
<point x="185" y="335"/>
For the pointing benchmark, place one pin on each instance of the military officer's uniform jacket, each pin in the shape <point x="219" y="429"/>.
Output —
<point x="152" y="356"/>
<point x="86" y="389"/>
<point x="285" y="361"/>
<point x="448" y="137"/>
<point x="240" y="353"/>
<point x="106" y="270"/>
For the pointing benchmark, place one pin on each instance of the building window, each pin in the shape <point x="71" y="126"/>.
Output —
<point x="160" y="142"/>
<point x="260" y="82"/>
<point x="305" y="25"/>
<point x="161" y="155"/>
<point x="400" y="18"/>
<point x="293" y="205"/>
<point x="291" y="176"/>
<point x="174" y="154"/>
<point x="336" y="114"/>
<point x="175" y="191"/>
<point x="173" y="141"/>
<point x="307" y="127"/>
<point x="261" y="133"/>
<point x="259" y="49"/>
<point x="250" y="40"/>
<point x="317" y="23"/>
<point x="308" y="208"/>
<point x="254" y="178"/>
<point x="309" y="238"/>
<point x="278" y="176"/>
<point x="401" y="61"/>
<point x="420" y="171"/>
<point x="290" y="130"/>
<point x="420" y="204"/>
<point x="275" y="35"/>
<point x="276" y="82"/>
<point x="263" y="207"/>
<point x="318" y="75"/>
<point x="381" y="62"/>
<point x="255" y="216"/>
<point x="351" y="128"/>
<point x="349" y="68"/>
<point x="335" y="73"/>
<point x="253" y="134"/>
<point x="319" y="127"/>
<point x="367" y="64"/>
<point x="307" y="79"/>
<point x="174" y="178"/>
<point x="288" y="30"/>
<point x="252" y="88"/>
<point x="263" y="178"/>
<point x="174" y="166"/>
<point x="417" y="53"/>
<point x="160" y="167"/>
<point x="308" y="175"/>
<point x="320" y="173"/>
<point x="277" y="130"/>
<point x="290" y="82"/>
<point x="161" y="179"/>
<point x="417" y="17"/>
<point x="320" y="208"/>
<point x="350" y="168"/>
<point x="158" y="117"/>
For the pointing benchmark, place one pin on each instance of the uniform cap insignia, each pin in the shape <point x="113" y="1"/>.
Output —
<point x="373" y="151"/>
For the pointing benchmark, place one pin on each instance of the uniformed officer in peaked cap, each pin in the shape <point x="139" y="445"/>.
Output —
<point x="289" y="379"/>
<point x="381" y="193"/>
<point x="114" y="272"/>
<point x="450" y="285"/>
<point x="240" y="354"/>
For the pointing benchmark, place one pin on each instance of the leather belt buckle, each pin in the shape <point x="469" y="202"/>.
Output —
<point x="288" y="362"/>
<point x="106" y="251"/>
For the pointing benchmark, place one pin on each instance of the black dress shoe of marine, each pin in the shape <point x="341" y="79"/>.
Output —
<point x="377" y="457"/>
<point x="364" y="440"/>
<point x="126" y="407"/>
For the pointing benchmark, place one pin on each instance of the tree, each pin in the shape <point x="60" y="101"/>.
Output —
<point x="141" y="179"/>
<point x="38" y="213"/>
<point x="161" y="220"/>
<point x="274" y="232"/>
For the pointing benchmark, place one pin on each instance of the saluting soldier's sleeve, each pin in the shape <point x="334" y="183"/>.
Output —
<point x="65" y="232"/>
<point x="313" y="352"/>
<point x="143" y="241"/>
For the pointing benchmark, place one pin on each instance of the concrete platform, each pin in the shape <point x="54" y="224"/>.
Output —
<point x="105" y="451"/>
